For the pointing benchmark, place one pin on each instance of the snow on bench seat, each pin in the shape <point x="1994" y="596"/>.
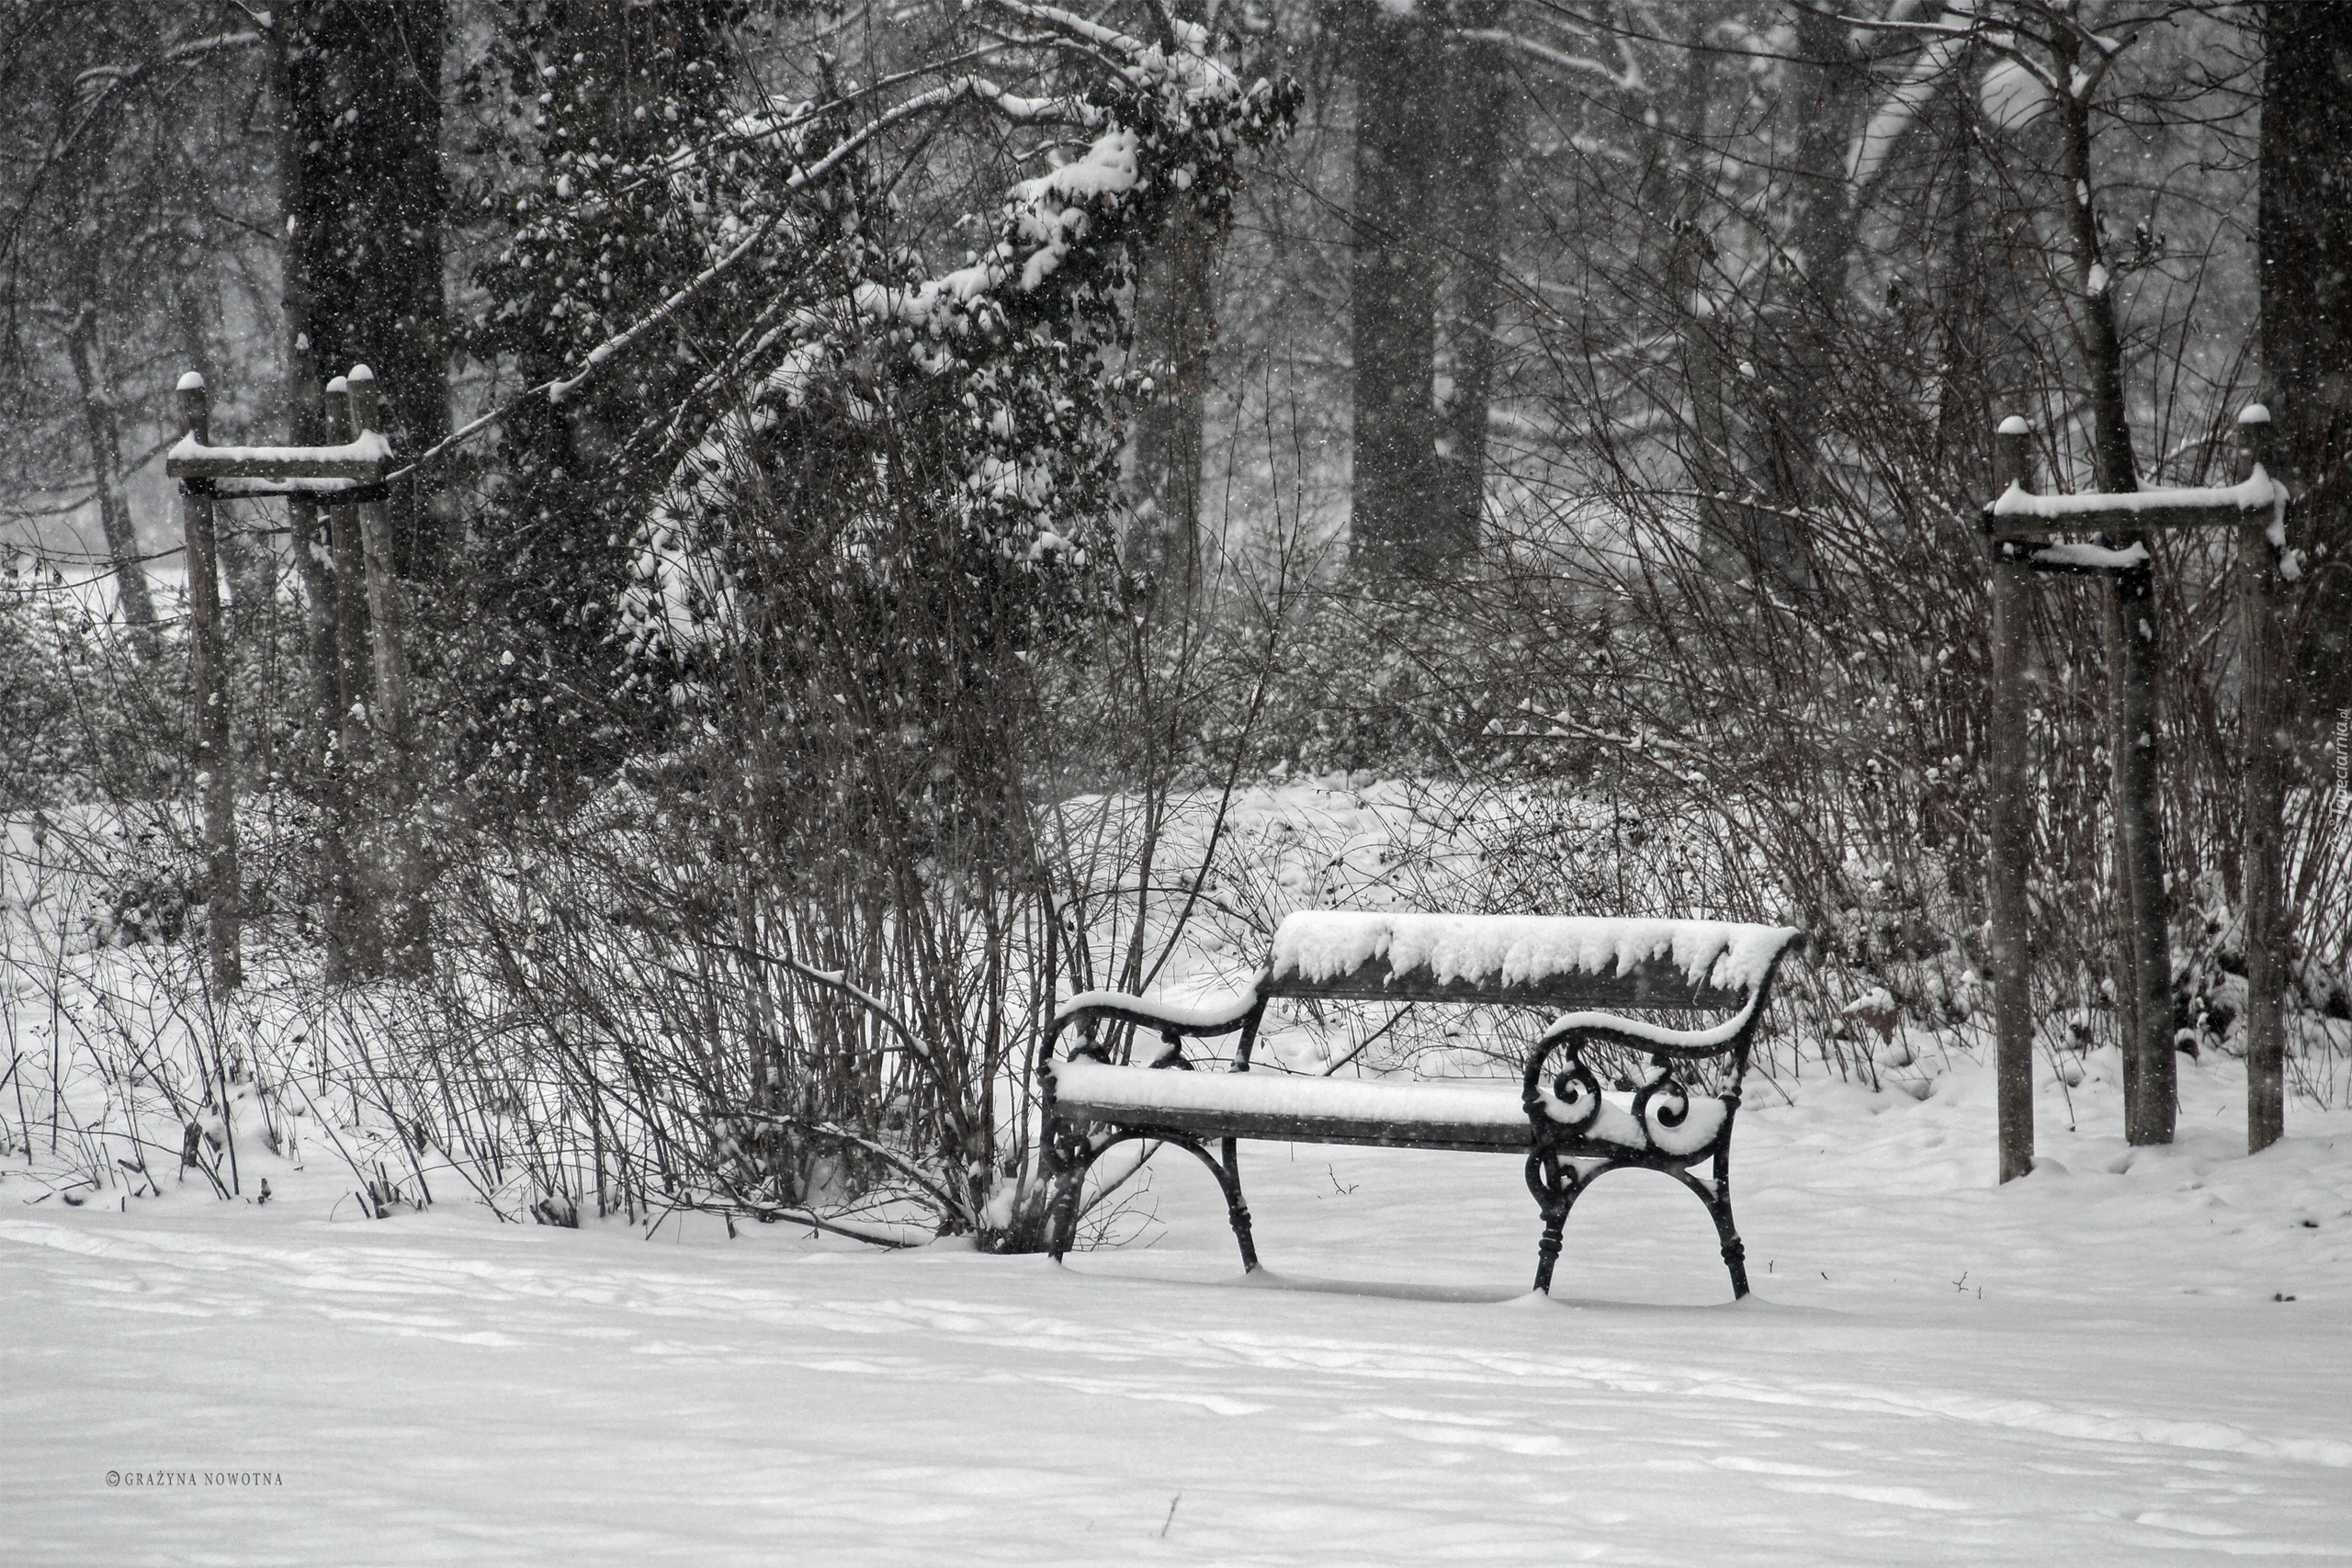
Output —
<point x="1299" y="1109"/>
<point x="1572" y="959"/>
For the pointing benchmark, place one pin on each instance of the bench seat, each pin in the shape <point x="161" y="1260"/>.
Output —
<point x="1294" y="1108"/>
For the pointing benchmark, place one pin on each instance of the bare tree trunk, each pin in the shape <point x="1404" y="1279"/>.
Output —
<point x="2149" y="1089"/>
<point x="1393" y="294"/>
<point x="1696" y="317"/>
<point x="2011" y="831"/>
<point x="2303" y="233"/>
<point x="1827" y="82"/>
<point x="1960" y="285"/>
<point x="1176" y="320"/>
<point x="350" y="954"/>
<point x="364" y="83"/>
<point x="216" y="757"/>
<point x="106" y="471"/>
<point x="1479" y="94"/>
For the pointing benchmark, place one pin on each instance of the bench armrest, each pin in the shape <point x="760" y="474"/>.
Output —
<point x="1653" y="1039"/>
<point x="1168" y="1019"/>
<point x="1730" y="1037"/>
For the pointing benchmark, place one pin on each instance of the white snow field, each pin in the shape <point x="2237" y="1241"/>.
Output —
<point x="2092" y="1366"/>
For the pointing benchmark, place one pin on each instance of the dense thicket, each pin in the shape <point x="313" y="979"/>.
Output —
<point x="917" y="444"/>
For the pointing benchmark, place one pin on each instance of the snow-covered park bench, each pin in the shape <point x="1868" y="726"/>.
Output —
<point x="1569" y="1131"/>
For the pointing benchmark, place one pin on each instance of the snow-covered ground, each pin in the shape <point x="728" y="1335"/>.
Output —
<point x="2123" y="1362"/>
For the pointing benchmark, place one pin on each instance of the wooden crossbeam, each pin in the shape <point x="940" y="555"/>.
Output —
<point x="363" y="459"/>
<point x="2070" y="560"/>
<point x="2021" y="514"/>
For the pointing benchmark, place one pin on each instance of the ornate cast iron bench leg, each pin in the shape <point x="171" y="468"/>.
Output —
<point x="1718" y="1204"/>
<point x="1074" y="1154"/>
<point x="1069" y="1153"/>
<point x="1237" y="1209"/>
<point x="1734" y="1250"/>
<point x="1555" y="1193"/>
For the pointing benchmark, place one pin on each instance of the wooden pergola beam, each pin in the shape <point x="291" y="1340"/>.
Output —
<point x="364" y="460"/>
<point x="2019" y="513"/>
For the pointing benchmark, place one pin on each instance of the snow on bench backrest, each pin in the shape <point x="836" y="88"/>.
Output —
<point x="1545" y="960"/>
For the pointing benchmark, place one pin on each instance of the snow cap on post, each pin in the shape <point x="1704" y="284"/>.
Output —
<point x="361" y="384"/>
<point x="2012" y="455"/>
<point x="337" y="386"/>
<point x="195" y="407"/>
<point x="2254" y="439"/>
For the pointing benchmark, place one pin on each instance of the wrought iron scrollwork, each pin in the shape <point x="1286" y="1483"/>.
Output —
<point x="1567" y="1153"/>
<point x="1067" y="1145"/>
<point x="1089" y="1043"/>
<point x="1663" y="1102"/>
<point x="1575" y="1093"/>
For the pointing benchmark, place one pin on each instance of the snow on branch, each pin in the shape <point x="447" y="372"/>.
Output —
<point x="1013" y="339"/>
<point x="2036" y="56"/>
<point x="1142" y="65"/>
<point x="1920" y="80"/>
<point x="967" y="88"/>
<point x="1628" y="80"/>
<point x="100" y="79"/>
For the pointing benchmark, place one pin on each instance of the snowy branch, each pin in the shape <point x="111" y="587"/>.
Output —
<point x="1629" y="80"/>
<point x="1921" y="79"/>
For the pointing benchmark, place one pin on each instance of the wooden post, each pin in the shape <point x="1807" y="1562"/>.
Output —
<point x="216" y="776"/>
<point x="357" y="893"/>
<point x="405" y="925"/>
<point x="312" y="564"/>
<point x="353" y="677"/>
<point x="2150" y="1087"/>
<point x="2010" y="832"/>
<point x="2260" y="901"/>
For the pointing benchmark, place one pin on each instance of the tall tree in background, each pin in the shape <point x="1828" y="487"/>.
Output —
<point x="118" y="190"/>
<point x="93" y="372"/>
<point x="372" y="199"/>
<point x="595" y="103"/>
<point x="1398" y="525"/>
<point x="1175" y="322"/>
<point x="2304" y="239"/>
<point x="1480" y="94"/>
<point x="1176" y="319"/>
<point x="1825" y="93"/>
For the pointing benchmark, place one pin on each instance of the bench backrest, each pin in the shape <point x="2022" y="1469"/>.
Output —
<point x="1556" y="961"/>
